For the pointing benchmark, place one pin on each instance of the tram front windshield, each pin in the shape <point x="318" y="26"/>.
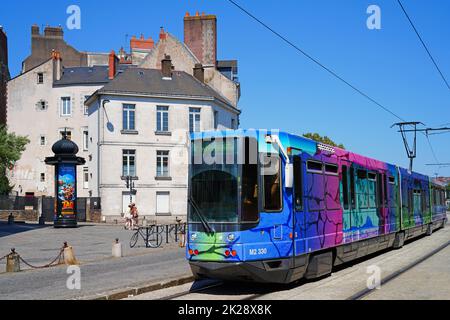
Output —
<point x="224" y="181"/>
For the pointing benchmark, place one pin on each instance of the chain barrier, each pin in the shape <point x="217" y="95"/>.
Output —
<point x="55" y="262"/>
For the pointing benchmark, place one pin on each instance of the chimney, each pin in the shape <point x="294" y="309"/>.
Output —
<point x="112" y="65"/>
<point x="141" y="44"/>
<point x="53" y="32"/>
<point x="199" y="72"/>
<point x="57" y="65"/>
<point x="200" y="35"/>
<point x="166" y="67"/>
<point x="35" y="30"/>
<point x="162" y="34"/>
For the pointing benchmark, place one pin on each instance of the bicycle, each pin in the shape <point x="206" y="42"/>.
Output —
<point x="152" y="236"/>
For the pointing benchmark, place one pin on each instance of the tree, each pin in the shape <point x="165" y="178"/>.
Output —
<point x="318" y="138"/>
<point x="11" y="148"/>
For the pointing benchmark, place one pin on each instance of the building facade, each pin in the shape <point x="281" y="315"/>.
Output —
<point x="43" y="103"/>
<point x="199" y="47"/>
<point x="139" y="126"/>
<point x="4" y="74"/>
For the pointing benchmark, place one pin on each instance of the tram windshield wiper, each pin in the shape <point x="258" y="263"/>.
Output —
<point x="206" y="225"/>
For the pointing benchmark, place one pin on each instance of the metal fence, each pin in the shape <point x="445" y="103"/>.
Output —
<point x="18" y="203"/>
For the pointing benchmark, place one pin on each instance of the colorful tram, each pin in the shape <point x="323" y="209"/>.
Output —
<point x="273" y="207"/>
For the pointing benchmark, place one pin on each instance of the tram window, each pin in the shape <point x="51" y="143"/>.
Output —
<point x="411" y="201"/>
<point x="362" y="189"/>
<point x="315" y="166"/>
<point x="423" y="202"/>
<point x="250" y="212"/>
<point x="391" y="180"/>
<point x="405" y="198"/>
<point x="345" y="186"/>
<point x="379" y="191"/>
<point x="352" y="188"/>
<point x="298" y="184"/>
<point x="385" y="189"/>
<point x="372" y="187"/>
<point x="331" y="169"/>
<point x="272" y="183"/>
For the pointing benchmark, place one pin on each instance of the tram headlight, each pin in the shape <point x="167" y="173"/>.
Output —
<point x="231" y="237"/>
<point x="193" y="237"/>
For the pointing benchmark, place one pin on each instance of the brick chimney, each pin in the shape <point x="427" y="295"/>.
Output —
<point x="199" y="72"/>
<point x="162" y="34"/>
<point x="53" y="32"/>
<point x="35" y="30"/>
<point x="200" y="35"/>
<point x="112" y="64"/>
<point x="141" y="44"/>
<point x="57" y="65"/>
<point x="166" y="67"/>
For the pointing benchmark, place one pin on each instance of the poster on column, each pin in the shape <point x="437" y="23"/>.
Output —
<point x="66" y="189"/>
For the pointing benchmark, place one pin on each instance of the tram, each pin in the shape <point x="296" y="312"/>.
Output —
<point x="269" y="206"/>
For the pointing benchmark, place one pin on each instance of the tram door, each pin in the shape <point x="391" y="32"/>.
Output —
<point x="298" y="205"/>
<point x="348" y="198"/>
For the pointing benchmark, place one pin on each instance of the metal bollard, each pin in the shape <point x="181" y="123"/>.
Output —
<point x="13" y="262"/>
<point x="41" y="220"/>
<point x="117" y="249"/>
<point x="69" y="257"/>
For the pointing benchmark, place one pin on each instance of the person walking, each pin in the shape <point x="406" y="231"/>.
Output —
<point x="134" y="216"/>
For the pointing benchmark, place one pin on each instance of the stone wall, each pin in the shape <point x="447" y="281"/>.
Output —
<point x="20" y="215"/>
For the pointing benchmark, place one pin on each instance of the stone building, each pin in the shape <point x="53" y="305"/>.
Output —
<point x="43" y="102"/>
<point x="4" y="74"/>
<point x="139" y="125"/>
<point x="52" y="39"/>
<point x="199" y="46"/>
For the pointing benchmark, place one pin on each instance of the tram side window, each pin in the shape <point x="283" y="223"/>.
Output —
<point x="331" y="184"/>
<point x="315" y="185"/>
<point x="405" y="197"/>
<point x="298" y="183"/>
<point x="250" y="211"/>
<point x="345" y="187"/>
<point x="411" y="202"/>
<point x="423" y="201"/>
<point x="379" y="191"/>
<point x="362" y="189"/>
<point x="385" y="185"/>
<point x="372" y="179"/>
<point x="272" y="183"/>
<point x="352" y="188"/>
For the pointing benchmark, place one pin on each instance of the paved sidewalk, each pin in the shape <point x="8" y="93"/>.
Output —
<point x="92" y="246"/>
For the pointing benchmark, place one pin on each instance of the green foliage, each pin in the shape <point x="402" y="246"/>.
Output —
<point x="11" y="148"/>
<point x="317" y="137"/>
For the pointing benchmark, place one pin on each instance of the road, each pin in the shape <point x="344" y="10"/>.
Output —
<point x="427" y="280"/>
<point x="92" y="247"/>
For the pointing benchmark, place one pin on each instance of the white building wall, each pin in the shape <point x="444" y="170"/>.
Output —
<point x="24" y="118"/>
<point x="146" y="143"/>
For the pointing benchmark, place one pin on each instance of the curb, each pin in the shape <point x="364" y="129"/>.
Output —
<point x="123" y="293"/>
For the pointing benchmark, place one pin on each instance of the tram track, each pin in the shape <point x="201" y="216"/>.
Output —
<point x="366" y="292"/>
<point x="224" y="289"/>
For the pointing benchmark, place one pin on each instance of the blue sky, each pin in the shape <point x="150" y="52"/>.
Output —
<point x="281" y="88"/>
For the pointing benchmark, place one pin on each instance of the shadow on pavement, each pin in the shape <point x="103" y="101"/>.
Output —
<point x="10" y="229"/>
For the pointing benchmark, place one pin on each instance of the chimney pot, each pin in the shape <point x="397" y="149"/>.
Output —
<point x="187" y="14"/>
